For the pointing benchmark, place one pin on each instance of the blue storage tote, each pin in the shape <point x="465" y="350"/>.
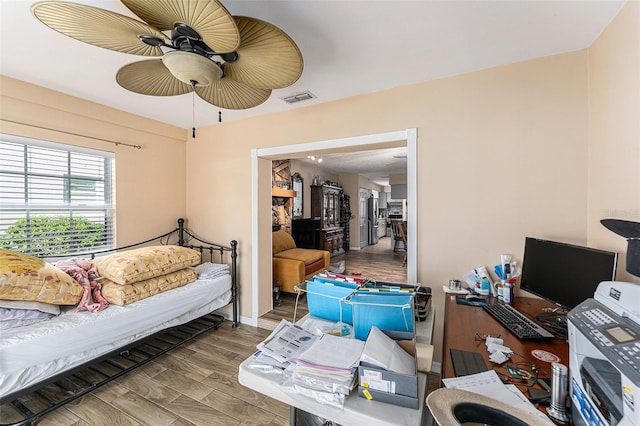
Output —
<point x="327" y="300"/>
<point x="386" y="310"/>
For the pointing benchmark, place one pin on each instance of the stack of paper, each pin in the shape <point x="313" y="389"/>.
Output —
<point x="287" y="341"/>
<point x="327" y="370"/>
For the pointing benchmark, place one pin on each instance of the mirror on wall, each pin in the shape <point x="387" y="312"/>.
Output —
<point x="297" y="185"/>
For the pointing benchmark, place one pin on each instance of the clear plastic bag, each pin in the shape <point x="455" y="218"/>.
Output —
<point x="327" y="398"/>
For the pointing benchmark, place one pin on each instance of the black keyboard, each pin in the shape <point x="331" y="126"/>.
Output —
<point x="521" y="326"/>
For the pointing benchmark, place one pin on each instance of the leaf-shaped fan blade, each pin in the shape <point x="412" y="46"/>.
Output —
<point x="229" y="94"/>
<point x="98" y="27"/>
<point x="150" y="78"/>
<point x="208" y="17"/>
<point x="267" y="57"/>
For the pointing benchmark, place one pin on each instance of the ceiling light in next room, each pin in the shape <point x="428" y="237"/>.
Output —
<point x="298" y="97"/>
<point x="315" y="158"/>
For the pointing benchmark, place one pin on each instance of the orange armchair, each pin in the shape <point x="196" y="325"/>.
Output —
<point x="292" y="265"/>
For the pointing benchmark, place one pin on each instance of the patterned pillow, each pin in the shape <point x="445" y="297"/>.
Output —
<point x="147" y="262"/>
<point x="24" y="277"/>
<point x="121" y="295"/>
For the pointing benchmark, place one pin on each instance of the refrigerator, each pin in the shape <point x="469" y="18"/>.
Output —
<point x="372" y="219"/>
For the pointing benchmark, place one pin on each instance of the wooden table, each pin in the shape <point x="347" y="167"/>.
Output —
<point x="463" y="322"/>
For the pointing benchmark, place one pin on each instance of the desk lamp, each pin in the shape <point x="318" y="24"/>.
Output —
<point x="631" y="231"/>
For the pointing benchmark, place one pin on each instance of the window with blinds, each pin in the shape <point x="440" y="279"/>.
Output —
<point x="55" y="199"/>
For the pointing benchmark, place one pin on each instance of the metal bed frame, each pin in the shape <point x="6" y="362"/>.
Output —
<point x="25" y="406"/>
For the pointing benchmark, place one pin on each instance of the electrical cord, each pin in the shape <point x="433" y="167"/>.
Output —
<point x="555" y="323"/>
<point x="527" y="387"/>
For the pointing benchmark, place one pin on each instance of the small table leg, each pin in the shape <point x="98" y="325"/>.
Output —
<point x="292" y="415"/>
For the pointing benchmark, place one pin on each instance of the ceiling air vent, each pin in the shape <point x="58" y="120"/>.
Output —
<point x="298" y="97"/>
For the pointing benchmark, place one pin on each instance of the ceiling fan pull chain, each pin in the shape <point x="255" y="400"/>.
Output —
<point x="219" y="116"/>
<point x="193" y="110"/>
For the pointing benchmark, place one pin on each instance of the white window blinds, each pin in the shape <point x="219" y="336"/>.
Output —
<point x="55" y="199"/>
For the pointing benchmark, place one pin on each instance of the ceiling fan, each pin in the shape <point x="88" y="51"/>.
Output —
<point x="232" y="62"/>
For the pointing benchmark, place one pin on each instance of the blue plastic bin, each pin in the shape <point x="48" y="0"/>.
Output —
<point x="327" y="300"/>
<point x="387" y="311"/>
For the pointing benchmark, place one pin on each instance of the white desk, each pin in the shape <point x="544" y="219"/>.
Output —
<point x="357" y="410"/>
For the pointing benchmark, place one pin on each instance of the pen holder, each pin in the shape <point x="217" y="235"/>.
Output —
<point x="498" y="286"/>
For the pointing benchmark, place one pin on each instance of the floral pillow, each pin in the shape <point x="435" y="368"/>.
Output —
<point x="147" y="262"/>
<point x="121" y="295"/>
<point x="25" y="277"/>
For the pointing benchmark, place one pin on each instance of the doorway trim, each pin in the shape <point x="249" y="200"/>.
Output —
<point x="373" y="141"/>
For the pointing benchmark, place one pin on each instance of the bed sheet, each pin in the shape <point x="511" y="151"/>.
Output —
<point x="33" y="353"/>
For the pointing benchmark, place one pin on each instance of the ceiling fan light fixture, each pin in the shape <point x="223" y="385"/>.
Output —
<point x="230" y="62"/>
<point x="189" y="67"/>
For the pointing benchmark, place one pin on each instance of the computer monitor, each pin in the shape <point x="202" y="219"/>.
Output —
<point x="564" y="274"/>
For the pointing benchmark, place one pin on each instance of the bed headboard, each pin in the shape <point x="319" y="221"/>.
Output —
<point x="211" y="248"/>
<point x="185" y="239"/>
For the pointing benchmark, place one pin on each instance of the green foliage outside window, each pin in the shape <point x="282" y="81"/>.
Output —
<point x="44" y="236"/>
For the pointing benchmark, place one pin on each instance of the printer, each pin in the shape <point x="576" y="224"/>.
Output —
<point x="604" y="356"/>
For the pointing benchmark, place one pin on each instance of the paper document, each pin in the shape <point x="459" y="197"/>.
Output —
<point x="334" y="351"/>
<point x="286" y="341"/>
<point x="267" y="364"/>
<point x="384" y="352"/>
<point x="489" y="384"/>
<point x="446" y="289"/>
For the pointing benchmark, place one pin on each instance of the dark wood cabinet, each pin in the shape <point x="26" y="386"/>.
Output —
<point x="325" y="206"/>
<point x="331" y="240"/>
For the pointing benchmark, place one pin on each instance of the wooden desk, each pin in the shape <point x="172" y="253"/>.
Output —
<point x="462" y="322"/>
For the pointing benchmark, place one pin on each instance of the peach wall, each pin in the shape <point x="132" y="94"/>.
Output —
<point x="150" y="181"/>
<point x="614" y="130"/>
<point x="502" y="154"/>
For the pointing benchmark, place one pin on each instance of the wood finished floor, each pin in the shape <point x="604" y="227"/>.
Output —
<point x="377" y="262"/>
<point x="197" y="384"/>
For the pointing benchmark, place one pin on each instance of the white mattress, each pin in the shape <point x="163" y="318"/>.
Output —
<point x="33" y="353"/>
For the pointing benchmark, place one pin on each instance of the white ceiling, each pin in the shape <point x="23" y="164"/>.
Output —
<point x="376" y="165"/>
<point x="350" y="47"/>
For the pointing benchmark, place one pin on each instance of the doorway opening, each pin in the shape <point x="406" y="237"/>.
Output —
<point x="262" y="293"/>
